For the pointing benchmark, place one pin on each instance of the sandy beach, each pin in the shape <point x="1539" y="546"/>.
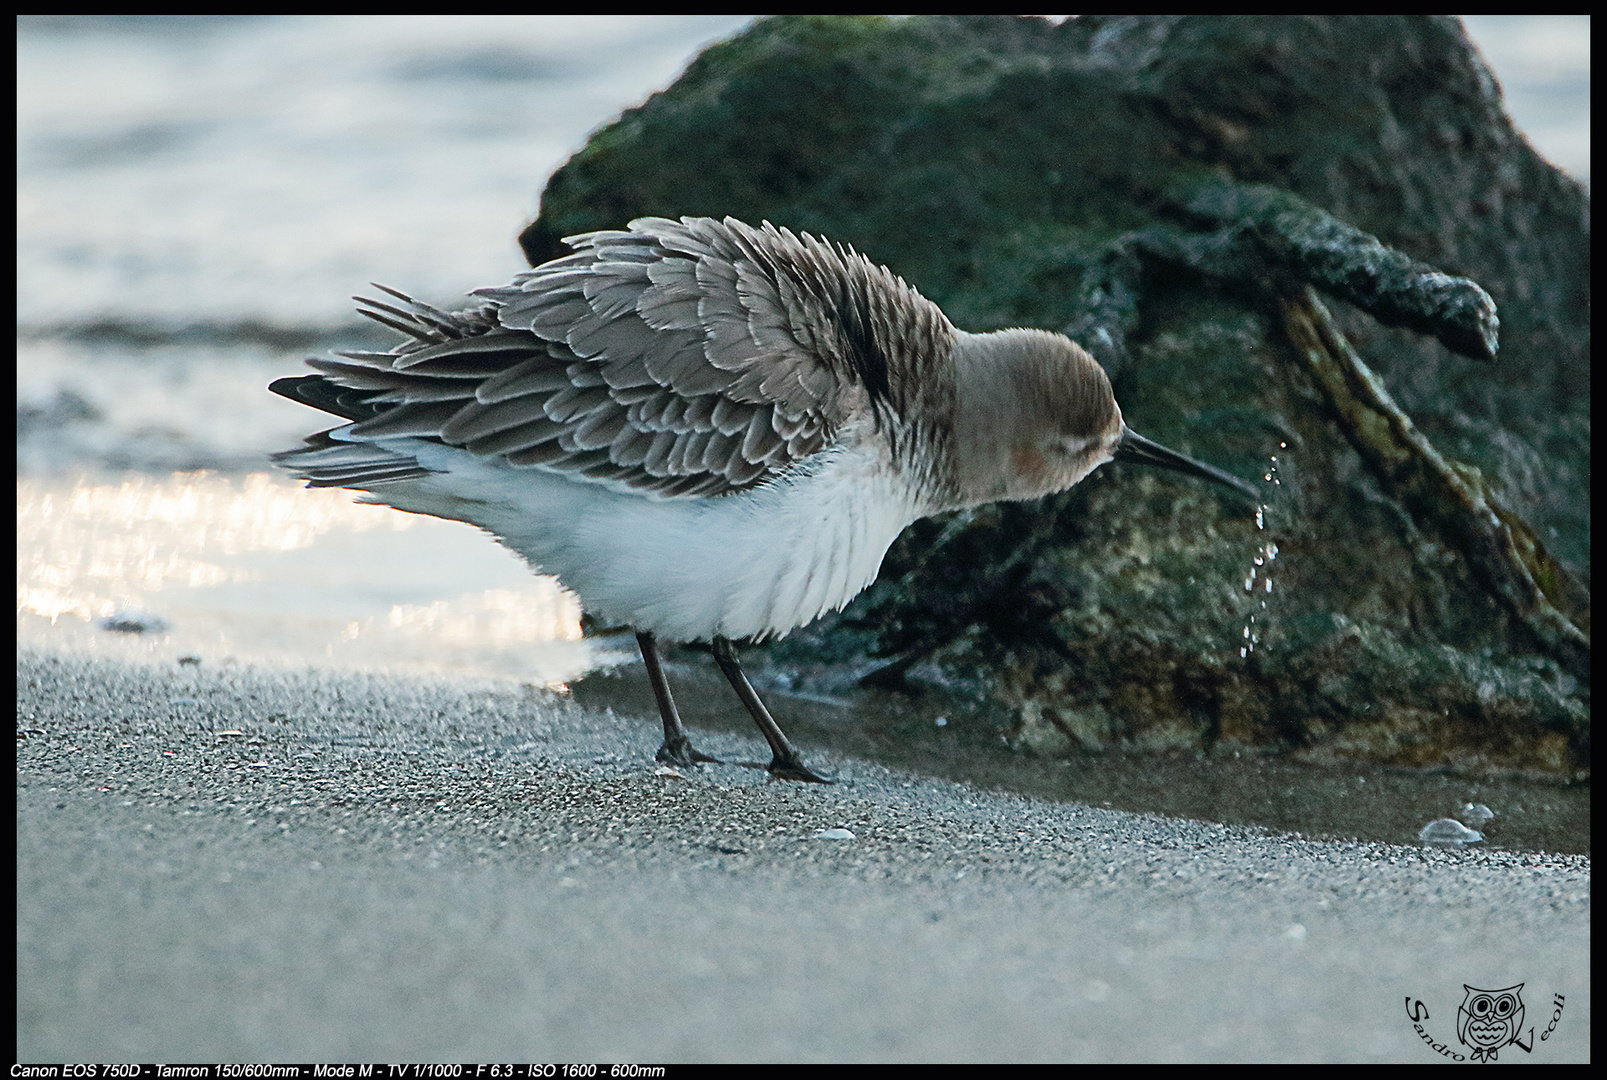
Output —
<point x="238" y="863"/>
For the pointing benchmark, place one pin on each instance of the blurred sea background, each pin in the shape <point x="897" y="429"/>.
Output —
<point x="198" y="197"/>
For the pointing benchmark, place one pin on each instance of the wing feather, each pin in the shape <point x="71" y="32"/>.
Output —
<point x="515" y="439"/>
<point x="690" y="357"/>
<point x="477" y="421"/>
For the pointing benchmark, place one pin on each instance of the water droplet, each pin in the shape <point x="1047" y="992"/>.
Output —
<point x="1475" y="814"/>
<point x="1448" y="833"/>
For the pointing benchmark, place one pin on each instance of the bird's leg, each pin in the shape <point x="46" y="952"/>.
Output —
<point x="677" y="748"/>
<point x="785" y="761"/>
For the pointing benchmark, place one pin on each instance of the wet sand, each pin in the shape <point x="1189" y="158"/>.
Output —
<point x="232" y="863"/>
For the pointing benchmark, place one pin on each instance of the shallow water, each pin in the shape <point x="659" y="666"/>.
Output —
<point x="938" y="735"/>
<point x="257" y="570"/>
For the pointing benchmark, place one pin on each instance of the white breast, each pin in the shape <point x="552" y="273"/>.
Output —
<point x="754" y="564"/>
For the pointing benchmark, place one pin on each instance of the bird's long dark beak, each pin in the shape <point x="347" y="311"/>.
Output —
<point x="1134" y="447"/>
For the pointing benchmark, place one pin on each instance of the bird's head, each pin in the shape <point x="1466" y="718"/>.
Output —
<point x="1035" y="414"/>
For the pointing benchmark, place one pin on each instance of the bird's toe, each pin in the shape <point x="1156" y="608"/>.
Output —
<point x="793" y="768"/>
<point x="682" y="752"/>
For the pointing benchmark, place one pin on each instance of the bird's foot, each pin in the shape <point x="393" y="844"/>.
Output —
<point x="683" y="753"/>
<point x="791" y="767"/>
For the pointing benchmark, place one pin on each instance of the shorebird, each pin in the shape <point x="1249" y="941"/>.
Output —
<point x="708" y="431"/>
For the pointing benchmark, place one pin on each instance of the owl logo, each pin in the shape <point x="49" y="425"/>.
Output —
<point x="1489" y="1019"/>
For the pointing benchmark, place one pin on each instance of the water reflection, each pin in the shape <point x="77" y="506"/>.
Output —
<point x="260" y="570"/>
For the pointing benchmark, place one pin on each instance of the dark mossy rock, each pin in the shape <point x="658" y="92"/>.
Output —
<point x="1258" y="224"/>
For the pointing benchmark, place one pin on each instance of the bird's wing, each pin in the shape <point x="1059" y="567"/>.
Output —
<point x="689" y="357"/>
